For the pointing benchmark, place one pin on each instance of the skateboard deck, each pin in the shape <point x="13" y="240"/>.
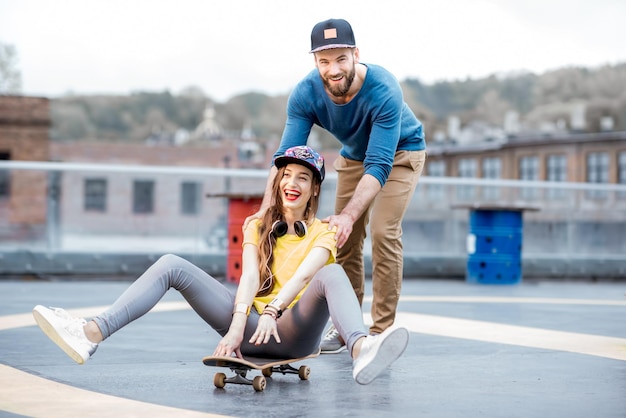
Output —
<point x="241" y="367"/>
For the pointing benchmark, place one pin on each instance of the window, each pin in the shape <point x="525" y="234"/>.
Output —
<point x="190" y="198"/>
<point x="436" y="169"/>
<point x="529" y="168"/>
<point x="143" y="196"/>
<point x="95" y="195"/>
<point x="597" y="172"/>
<point x="529" y="171"/>
<point x="598" y="167"/>
<point x="5" y="177"/>
<point x="492" y="169"/>
<point x="621" y="171"/>
<point x="467" y="169"/>
<point x="557" y="168"/>
<point x="556" y="171"/>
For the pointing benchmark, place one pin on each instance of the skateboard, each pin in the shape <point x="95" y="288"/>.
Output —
<point x="241" y="367"/>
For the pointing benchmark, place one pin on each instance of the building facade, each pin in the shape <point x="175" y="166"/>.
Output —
<point x="24" y="136"/>
<point x="579" y="158"/>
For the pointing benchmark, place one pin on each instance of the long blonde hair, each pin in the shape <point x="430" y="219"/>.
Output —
<point x="267" y="240"/>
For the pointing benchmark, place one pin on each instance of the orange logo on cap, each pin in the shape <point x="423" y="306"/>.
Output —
<point x="330" y="33"/>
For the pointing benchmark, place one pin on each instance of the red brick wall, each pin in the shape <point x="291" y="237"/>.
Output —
<point x="24" y="135"/>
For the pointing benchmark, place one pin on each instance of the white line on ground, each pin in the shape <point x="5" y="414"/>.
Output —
<point x="27" y="395"/>
<point x="593" y="345"/>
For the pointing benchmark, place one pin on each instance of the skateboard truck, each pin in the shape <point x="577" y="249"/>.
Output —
<point x="239" y="378"/>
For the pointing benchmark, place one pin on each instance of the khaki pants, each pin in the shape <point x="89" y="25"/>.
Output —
<point x="386" y="213"/>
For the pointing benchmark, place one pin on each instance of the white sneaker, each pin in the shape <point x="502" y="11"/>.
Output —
<point x="332" y="342"/>
<point x="66" y="332"/>
<point x="378" y="352"/>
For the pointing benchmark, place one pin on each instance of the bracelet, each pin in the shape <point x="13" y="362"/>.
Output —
<point x="278" y="305"/>
<point x="241" y="308"/>
<point x="271" y="313"/>
<point x="271" y="309"/>
<point x="275" y="311"/>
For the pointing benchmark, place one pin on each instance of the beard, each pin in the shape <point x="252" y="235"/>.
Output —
<point x="340" y="90"/>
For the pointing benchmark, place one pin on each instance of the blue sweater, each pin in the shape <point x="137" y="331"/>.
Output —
<point x="371" y="127"/>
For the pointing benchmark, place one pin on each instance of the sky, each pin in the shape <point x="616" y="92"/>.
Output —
<point x="237" y="46"/>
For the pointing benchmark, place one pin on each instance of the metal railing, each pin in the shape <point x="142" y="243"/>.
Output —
<point x="47" y="228"/>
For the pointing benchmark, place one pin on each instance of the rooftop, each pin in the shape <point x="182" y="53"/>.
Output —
<point x="535" y="349"/>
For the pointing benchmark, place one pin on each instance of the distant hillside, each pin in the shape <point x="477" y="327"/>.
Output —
<point x="535" y="99"/>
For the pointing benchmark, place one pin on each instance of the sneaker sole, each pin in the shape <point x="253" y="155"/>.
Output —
<point x="53" y="334"/>
<point x="336" y="351"/>
<point x="390" y="349"/>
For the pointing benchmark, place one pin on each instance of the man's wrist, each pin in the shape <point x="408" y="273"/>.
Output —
<point x="350" y="214"/>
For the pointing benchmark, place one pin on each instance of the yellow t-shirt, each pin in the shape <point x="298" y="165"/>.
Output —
<point x="289" y="252"/>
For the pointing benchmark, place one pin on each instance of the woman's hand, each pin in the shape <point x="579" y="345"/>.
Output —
<point x="266" y="328"/>
<point x="229" y="345"/>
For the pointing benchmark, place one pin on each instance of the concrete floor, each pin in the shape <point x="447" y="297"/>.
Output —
<point x="536" y="349"/>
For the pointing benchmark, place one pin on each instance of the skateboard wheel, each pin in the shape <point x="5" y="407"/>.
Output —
<point x="258" y="383"/>
<point x="267" y="372"/>
<point x="304" y="372"/>
<point x="219" y="380"/>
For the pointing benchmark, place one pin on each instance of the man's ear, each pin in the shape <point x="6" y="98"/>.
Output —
<point x="356" y="55"/>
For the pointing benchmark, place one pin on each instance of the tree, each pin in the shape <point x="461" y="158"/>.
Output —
<point x="10" y="75"/>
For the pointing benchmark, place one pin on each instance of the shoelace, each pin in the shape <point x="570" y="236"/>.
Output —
<point x="331" y="334"/>
<point x="61" y="313"/>
<point x="74" y="326"/>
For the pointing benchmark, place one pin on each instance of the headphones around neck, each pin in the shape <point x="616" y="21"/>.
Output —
<point x="280" y="228"/>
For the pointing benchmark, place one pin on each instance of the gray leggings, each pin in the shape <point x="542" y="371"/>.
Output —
<point x="300" y="328"/>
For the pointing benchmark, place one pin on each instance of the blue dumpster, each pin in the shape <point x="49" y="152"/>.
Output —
<point x="494" y="247"/>
<point x="494" y="244"/>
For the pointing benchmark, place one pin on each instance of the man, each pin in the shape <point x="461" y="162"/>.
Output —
<point x="381" y="160"/>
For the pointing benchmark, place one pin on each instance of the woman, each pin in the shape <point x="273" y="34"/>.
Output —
<point x="288" y="288"/>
